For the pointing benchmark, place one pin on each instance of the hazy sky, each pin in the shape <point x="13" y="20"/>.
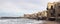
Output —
<point x="20" y="7"/>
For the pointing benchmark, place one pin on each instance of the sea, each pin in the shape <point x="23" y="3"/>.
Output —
<point x="21" y="21"/>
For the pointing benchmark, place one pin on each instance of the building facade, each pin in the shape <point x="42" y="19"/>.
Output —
<point x="57" y="11"/>
<point x="50" y="9"/>
<point x="53" y="10"/>
<point x="44" y="13"/>
<point x="30" y="15"/>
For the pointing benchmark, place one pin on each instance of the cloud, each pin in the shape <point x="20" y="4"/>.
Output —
<point x="53" y="0"/>
<point x="10" y="9"/>
<point x="20" y="7"/>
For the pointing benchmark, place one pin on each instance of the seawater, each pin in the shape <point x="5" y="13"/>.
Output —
<point x="20" y="21"/>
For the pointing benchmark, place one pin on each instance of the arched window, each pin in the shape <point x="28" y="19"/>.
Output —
<point x="51" y="7"/>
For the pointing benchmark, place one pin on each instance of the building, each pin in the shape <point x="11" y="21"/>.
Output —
<point x="41" y="15"/>
<point x="38" y="14"/>
<point x="57" y="11"/>
<point x="27" y="15"/>
<point x="44" y="13"/>
<point x="50" y="10"/>
<point x="53" y="10"/>
<point x="34" y="15"/>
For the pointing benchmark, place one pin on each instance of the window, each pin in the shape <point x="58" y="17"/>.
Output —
<point x="58" y="6"/>
<point x="51" y="7"/>
<point x="52" y="15"/>
<point x="53" y="11"/>
<point x="58" y="14"/>
<point x="47" y="8"/>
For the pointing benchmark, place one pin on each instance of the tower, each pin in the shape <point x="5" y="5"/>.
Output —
<point x="51" y="11"/>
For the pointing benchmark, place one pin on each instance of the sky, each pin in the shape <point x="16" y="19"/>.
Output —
<point x="17" y="8"/>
